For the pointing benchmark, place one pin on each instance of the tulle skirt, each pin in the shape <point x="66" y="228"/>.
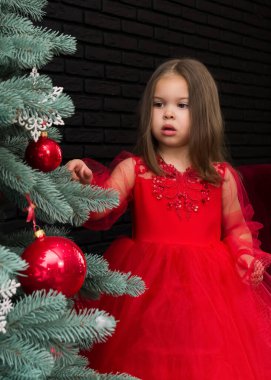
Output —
<point x="197" y="320"/>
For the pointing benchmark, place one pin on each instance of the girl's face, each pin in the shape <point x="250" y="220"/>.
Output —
<point x="170" y="124"/>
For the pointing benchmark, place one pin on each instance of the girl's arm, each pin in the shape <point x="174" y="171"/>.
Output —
<point x="120" y="177"/>
<point x="239" y="232"/>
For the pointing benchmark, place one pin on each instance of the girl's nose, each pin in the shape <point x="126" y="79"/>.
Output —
<point x="168" y="113"/>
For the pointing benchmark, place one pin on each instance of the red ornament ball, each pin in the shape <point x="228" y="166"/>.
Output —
<point x="55" y="263"/>
<point x="45" y="154"/>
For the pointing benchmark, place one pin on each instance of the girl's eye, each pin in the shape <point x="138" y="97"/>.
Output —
<point x="183" y="105"/>
<point x="158" y="104"/>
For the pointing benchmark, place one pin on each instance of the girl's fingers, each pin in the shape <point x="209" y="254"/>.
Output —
<point x="85" y="174"/>
<point x="75" y="176"/>
<point x="72" y="165"/>
<point x="79" y="171"/>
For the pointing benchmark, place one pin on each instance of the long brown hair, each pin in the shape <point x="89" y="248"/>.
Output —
<point x="206" y="141"/>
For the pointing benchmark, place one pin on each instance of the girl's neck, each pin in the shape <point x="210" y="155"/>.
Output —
<point x="178" y="157"/>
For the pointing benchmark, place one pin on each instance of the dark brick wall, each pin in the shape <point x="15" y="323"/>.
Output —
<point x="121" y="42"/>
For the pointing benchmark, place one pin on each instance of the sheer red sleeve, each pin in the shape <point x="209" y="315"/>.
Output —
<point x="239" y="232"/>
<point x="120" y="176"/>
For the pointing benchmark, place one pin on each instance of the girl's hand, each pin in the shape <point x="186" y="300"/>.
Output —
<point x="80" y="171"/>
<point x="250" y="269"/>
<point x="257" y="275"/>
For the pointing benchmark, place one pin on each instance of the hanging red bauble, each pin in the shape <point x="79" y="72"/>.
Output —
<point x="55" y="263"/>
<point x="45" y="154"/>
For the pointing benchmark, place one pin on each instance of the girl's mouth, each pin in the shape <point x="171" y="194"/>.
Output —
<point x="168" y="130"/>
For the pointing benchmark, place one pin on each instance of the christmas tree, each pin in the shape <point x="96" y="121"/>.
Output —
<point x="41" y="334"/>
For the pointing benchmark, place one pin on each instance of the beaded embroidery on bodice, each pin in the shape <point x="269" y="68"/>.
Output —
<point x="185" y="192"/>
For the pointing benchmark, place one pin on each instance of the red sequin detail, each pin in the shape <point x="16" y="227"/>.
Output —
<point x="185" y="192"/>
<point x="140" y="167"/>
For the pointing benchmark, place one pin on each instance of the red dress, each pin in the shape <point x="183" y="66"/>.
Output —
<point x="206" y="312"/>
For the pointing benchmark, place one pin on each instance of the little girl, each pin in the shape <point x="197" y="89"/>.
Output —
<point x="206" y="312"/>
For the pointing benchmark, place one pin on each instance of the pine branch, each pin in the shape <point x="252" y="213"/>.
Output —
<point x="25" y="84"/>
<point x="14" y="174"/>
<point x="100" y="279"/>
<point x="10" y="263"/>
<point x="63" y="43"/>
<point x="34" y="49"/>
<point x="23" y="373"/>
<point x="53" y="133"/>
<point x="9" y="103"/>
<point x="31" y="8"/>
<point x="77" y="371"/>
<point x="11" y="24"/>
<point x="16" y="354"/>
<point x="6" y="54"/>
<point x="42" y="317"/>
<point x="135" y="286"/>
<point x="31" y="51"/>
<point x="115" y="284"/>
<point x="25" y="237"/>
<point x="16" y="145"/>
<point x="62" y="105"/>
<point x="84" y="329"/>
<point x="74" y="373"/>
<point x="121" y="376"/>
<point x="13" y="130"/>
<point x="37" y="308"/>
<point x="65" y="355"/>
<point x="51" y="203"/>
<point x="97" y="265"/>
